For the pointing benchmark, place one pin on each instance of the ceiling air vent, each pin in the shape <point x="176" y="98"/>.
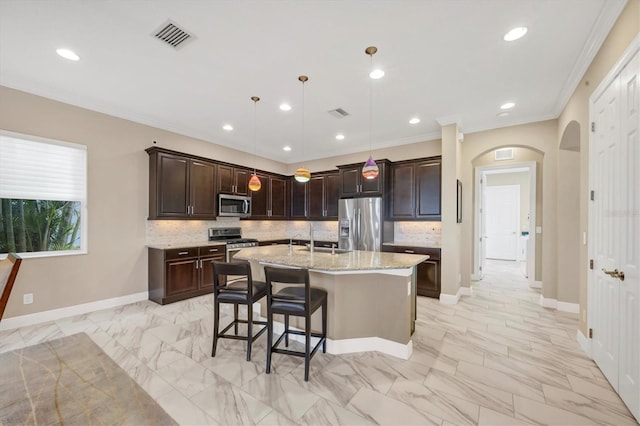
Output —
<point x="504" y="154"/>
<point x="338" y="113"/>
<point x="172" y="34"/>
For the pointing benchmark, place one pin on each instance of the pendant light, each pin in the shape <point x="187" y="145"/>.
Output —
<point x="370" y="168"/>
<point x="254" y="182"/>
<point x="302" y="174"/>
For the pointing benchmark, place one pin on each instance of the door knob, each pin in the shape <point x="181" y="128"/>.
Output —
<point x="615" y="274"/>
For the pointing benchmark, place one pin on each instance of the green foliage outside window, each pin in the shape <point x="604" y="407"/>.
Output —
<point x="39" y="225"/>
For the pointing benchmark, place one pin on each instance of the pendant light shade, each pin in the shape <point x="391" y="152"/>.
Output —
<point x="254" y="182"/>
<point x="302" y="174"/>
<point x="370" y="169"/>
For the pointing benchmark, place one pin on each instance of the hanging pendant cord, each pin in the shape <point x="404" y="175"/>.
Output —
<point x="371" y="110"/>
<point x="255" y="132"/>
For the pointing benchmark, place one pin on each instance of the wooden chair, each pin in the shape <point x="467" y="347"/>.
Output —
<point x="8" y="272"/>
<point x="299" y="299"/>
<point x="243" y="291"/>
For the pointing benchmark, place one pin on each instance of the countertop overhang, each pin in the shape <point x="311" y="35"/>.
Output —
<point x="353" y="261"/>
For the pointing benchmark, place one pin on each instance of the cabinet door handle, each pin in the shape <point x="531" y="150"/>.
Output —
<point x="182" y="253"/>
<point x="409" y="251"/>
<point x="213" y="250"/>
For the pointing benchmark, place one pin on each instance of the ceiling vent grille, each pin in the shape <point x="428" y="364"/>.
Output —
<point x="338" y="113"/>
<point x="172" y="34"/>
<point x="504" y="154"/>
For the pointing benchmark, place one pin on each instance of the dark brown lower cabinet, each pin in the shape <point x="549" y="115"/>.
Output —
<point x="182" y="273"/>
<point x="428" y="272"/>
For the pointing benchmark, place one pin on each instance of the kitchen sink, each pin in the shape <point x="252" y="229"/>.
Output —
<point x="328" y="250"/>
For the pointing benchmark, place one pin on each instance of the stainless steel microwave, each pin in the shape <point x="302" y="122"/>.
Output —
<point x="234" y="205"/>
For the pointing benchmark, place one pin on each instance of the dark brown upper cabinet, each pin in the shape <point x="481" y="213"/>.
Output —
<point x="352" y="184"/>
<point x="180" y="187"/>
<point x="323" y="194"/>
<point x="233" y="180"/>
<point x="299" y="198"/>
<point x="270" y="201"/>
<point x="415" y="190"/>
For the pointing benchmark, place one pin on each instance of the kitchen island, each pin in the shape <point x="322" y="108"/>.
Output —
<point x="371" y="295"/>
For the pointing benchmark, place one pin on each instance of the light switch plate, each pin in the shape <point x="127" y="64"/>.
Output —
<point x="538" y="229"/>
<point x="27" y="298"/>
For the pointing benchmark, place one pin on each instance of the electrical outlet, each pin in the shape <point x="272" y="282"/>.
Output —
<point x="27" y="298"/>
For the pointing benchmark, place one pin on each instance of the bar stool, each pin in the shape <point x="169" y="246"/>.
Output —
<point x="299" y="299"/>
<point x="239" y="291"/>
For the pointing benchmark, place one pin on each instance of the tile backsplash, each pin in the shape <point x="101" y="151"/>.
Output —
<point x="192" y="231"/>
<point x="417" y="232"/>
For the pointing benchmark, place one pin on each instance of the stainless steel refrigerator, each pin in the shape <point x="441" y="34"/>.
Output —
<point x="360" y="224"/>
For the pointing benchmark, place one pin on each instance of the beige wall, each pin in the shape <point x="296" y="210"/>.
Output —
<point x="521" y="155"/>
<point x="521" y="179"/>
<point x="397" y="153"/>
<point x="623" y="32"/>
<point x="116" y="264"/>
<point x="477" y="149"/>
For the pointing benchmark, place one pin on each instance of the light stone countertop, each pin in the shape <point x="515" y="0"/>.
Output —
<point x="352" y="261"/>
<point x="422" y="244"/>
<point x="185" y="245"/>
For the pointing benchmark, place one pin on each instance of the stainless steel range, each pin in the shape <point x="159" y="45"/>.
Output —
<point x="233" y="238"/>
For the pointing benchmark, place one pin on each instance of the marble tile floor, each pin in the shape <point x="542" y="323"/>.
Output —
<point x="495" y="358"/>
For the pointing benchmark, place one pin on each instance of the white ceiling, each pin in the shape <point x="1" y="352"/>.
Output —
<point x="444" y="60"/>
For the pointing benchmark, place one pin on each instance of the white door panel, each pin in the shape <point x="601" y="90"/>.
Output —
<point x="606" y="152"/>
<point x="502" y="221"/>
<point x="615" y="230"/>
<point x="629" y="375"/>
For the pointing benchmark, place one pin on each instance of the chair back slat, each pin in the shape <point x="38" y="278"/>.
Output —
<point x="289" y="277"/>
<point x="223" y="270"/>
<point x="8" y="273"/>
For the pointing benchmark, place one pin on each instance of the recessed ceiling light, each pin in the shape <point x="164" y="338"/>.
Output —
<point x="340" y="136"/>
<point x="286" y="148"/>
<point x="507" y="105"/>
<point x="376" y="74"/>
<point x="414" y="120"/>
<point x="228" y="127"/>
<point x="68" y="54"/>
<point x="515" y="33"/>
<point x="502" y="114"/>
<point x="285" y="107"/>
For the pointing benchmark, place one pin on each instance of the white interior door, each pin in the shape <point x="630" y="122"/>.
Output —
<point x="629" y="262"/>
<point x="502" y="221"/>
<point x="483" y="226"/>
<point x="615" y="235"/>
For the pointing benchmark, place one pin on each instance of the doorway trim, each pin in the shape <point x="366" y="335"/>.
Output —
<point x="480" y="171"/>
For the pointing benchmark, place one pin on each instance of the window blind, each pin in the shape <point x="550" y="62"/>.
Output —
<point x="35" y="169"/>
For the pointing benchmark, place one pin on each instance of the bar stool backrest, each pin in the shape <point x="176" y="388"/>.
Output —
<point x="223" y="270"/>
<point x="289" y="277"/>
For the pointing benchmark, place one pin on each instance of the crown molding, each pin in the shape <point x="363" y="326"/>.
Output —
<point x="600" y="31"/>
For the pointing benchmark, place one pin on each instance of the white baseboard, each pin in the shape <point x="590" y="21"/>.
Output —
<point x="370" y="344"/>
<point x="584" y="343"/>
<point x="548" y="303"/>
<point x="573" y="308"/>
<point x="361" y="344"/>
<point x="450" y="299"/>
<point x="55" y="314"/>
<point x="535" y="284"/>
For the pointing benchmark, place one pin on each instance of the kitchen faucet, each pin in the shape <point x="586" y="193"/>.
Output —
<point x="311" y="236"/>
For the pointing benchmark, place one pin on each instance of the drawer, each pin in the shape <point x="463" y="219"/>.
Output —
<point x="181" y="253"/>
<point x="212" y="250"/>
<point x="433" y="253"/>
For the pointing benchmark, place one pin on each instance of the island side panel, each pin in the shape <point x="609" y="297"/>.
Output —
<point x="359" y="305"/>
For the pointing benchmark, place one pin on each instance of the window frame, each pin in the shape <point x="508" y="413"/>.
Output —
<point x="84" y="210"/>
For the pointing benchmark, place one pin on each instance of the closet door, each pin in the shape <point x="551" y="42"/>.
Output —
<point x="615" y="229"/>
<point x="629" y="372"/>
